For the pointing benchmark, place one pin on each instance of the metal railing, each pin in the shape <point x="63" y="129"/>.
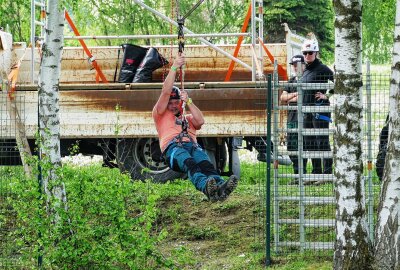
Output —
<point x="304" y="204"/>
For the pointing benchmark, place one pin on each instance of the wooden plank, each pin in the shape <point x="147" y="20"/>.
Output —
<point x="203" y="63"/>
<point x="92" y="113"/>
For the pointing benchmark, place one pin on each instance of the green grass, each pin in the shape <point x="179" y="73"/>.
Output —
<point x="196" y="234"/>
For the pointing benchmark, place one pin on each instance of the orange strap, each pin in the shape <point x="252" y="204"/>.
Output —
<point x="281" y="71"/>
<point x="13" y="76"/>
<point x="239" y="43"/>
<point x="85" y="48"/>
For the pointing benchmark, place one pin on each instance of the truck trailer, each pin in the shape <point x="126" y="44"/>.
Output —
<point x="114" y="119"/>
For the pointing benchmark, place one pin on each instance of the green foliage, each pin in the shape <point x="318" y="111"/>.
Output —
<point x="302" y="17"/>
<point x="202" y="233"/>
<point x="105" y="226"/>
<point x="378" y="30"/>
<point x="15" y="16"/>
<point x="113" y="17"/>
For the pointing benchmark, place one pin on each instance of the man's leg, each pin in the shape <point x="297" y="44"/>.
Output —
<point x="225" y="188"/>
<point x="323" y="145"/>
<point x="180" y="158"/>
<point x="310" y="144"/>
<point x="205" y="165"/>
<point x="292" y="145"/>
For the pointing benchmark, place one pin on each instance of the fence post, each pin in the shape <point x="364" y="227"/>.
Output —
<point x="268" y="182"/>
<point x="369" y="153"/>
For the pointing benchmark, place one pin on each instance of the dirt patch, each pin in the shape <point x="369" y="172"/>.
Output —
<point x="219" y="235"/>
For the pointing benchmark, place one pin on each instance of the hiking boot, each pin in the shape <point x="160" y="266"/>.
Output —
<point x="211" y="190"/>
<point x="227" y="187"/>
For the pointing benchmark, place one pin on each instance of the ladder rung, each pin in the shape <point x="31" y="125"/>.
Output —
<point x="307" y="86"/>
<point x="308" y="200"/>
<point x="309" y="222"/>
<point x="308" y="154"/>
<point x="308" y="245"/>
<point x="308" y="131"/>
<point x="39" y="4"/>
<point x="307" y="109"/>
<point x="39" y="23"/>
<point x="310" y="177"/>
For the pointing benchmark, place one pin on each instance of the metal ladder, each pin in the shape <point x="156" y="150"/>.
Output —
<point x="301" y="198"/>
<point x="257" y="21"/>
<point x="42" y="23"/>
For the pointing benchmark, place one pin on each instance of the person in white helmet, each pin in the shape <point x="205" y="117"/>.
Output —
<point x="316" y="72"/>
<point x="289" y="96"/>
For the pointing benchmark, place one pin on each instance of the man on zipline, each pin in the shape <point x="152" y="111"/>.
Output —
<point x="177" y="134"/>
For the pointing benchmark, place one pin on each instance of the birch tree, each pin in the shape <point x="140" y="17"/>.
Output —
<point x="49" y="120"/>
<point x="387" y="233"/>
<point x="352" y="246"/>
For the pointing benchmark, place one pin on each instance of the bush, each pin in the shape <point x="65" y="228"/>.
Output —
<point x="108" y="224"/>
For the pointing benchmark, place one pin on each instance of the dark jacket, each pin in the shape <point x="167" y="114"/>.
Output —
<point x="292" y="114"/>
<point x="316" y="72"/>
<point x="383" y="141"/>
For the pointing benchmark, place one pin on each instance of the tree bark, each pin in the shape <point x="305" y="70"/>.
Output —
<point x="352" y="245"/>
<point x="49" y="120"/>
<point x="387" y="233"/>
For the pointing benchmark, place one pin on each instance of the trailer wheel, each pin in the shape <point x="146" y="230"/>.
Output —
<point x="142" y="159"/>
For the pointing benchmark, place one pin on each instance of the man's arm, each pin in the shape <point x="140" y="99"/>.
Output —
<point x="197" y="115"/>
<point x="162" y="102"/>
<point x="289" y="97"/>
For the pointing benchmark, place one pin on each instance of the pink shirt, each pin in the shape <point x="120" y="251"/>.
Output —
<point x="167" y="129"/>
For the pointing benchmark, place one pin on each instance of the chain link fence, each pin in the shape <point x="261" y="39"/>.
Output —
<point x="11" y="111"/>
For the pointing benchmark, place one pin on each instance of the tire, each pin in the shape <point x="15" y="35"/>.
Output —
<point x="142" y="159"/>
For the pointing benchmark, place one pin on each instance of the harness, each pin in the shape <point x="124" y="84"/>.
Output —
<point x="178" y="139"/>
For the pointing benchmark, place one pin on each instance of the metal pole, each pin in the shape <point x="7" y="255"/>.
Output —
<point x="300" y="125"/>
<point x="268" y="180"/>
<point x="253" y="38"/>
<point x="32" y="40"/>
<point x="369" y="149"/>
<point x="260" y="30"/>
<point x="274" y="96"/>
<point x="190" y="32"/>
<point x="156" y="36"/>
<point x="42" y="5"/>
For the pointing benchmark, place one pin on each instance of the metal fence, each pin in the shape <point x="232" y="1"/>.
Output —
<point x="302" y="198"/>
<point x="300" y="204"/>
<point x="9" y="154"/>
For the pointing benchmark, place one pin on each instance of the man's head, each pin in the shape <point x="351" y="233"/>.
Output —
<point x="310" y="49"/>
<point x="295" y="63"/>
<point x="174" y="100"/>
<point x="296" y="59"/>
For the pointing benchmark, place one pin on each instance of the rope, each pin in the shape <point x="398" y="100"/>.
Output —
<point x="181" y="47"/>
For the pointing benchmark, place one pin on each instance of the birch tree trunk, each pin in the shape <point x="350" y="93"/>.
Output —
<point x="49" y="120"/>
<point x="387" y="233"/>
<point x="352" y="245"/>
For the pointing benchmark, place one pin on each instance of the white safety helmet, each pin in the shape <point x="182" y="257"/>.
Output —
<point x="310" y="45"/>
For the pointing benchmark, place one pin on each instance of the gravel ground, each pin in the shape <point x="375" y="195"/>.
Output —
<point x="81" y="160"/>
